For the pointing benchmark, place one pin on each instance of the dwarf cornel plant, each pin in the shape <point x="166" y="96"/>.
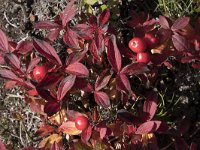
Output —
<point x="97" y="80"/>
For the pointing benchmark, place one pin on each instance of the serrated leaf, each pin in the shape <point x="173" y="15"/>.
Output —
<point x="180" y="23"/>
<point x="77" y="69"/>
<point x="68" y="13"/>
<point x="3" y="41"/>
<point x="102" y="80"/>
<point x="180" y="42"/>
<point x="104" y="17"/>
<point x="46" y="25"/>
<point x="46" y="50"/>
<point x="69" y="128"/>
<point x="65" y="85"/>
<point x="114" y="56"/>
<point x="102" y="99"/>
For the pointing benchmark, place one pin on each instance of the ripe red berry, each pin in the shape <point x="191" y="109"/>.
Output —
<point x="137" y="45"/>
<point x="81" y="122"/>
<point x="150" y="40"/>
<point x="143" y="57"/>
<point x="39" y="72"/>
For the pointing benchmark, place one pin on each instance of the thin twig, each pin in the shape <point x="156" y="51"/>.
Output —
<point x="13" y="25"/>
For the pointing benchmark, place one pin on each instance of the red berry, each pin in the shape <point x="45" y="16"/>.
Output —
<point x="81" y="122"/>
<point x="39" y="72"/>
<point x="150" y="40"/>
<point x="143" y="57"/>
<point x="137" y="45"/>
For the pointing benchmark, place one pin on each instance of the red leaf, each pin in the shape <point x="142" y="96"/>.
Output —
<point x="180" y="42"/>
<point x="13" y="61"/>
<point x="86" y="134"/>
<point x="134" y="68"/>
<point x="46" y="50"/>
<point x="68" y="13"/>
<point x="102" y="80"/>
<point x="187" y="59"/>
<point x="51" y="108"/>
<point x="50" y="80"/>
<point x="46" y="25"/>
<point x="32" y="64"/>
<point x="193" y="146"/>
<point x="3" y="41"/>
<point x="163" y="22"/>
<point x="150" y="105"/>
<point x="104" y="17"/>
<point x="71" y="38"/>
<point x="2" y="61"/>
<point x="180" y="144"/>
<point x="94" y="51"/>
<point x="65" y="85"/>
<point x="180" y="23"/>
<point x="52" y="35"/>
<point x="45" y="94"/>
<point x="44" y="130"/>
<point x="83" y="84"/>
<point x="77" y="69"/>
<point x="10" y="84"/>
<point x="196" y="65"/>
<point x="69" y="128"/>
<point x="29" y="148"/>
<point x="55" y="146"/>
<point x="102" y="99"/>
<point x="99" y="40"/>
<point x="148" y="127"/>
<point x="2" y="146"/>
<point x="123" y="84"/>
<point x="93" y="21"/>
<point x="7" y="74"/>
<point x="24" y="47"/>
<point x="84" y="31"/>
<point x="72" y="115"/>
<point x="114" y="56"/>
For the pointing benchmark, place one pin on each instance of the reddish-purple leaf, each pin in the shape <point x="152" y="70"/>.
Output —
<point x="102" y="99"/>
<point x="180" y="144"/>
<point x="94" y="51"/>
<point x="51" y="108"/>
<point x="71" y="38"/>
<point x="2" y="61"/>
<point x="72" y="115"/>
<point x="65" y="85"/>
<point x="187" y="59"/>
<point x="13" y="60"/>
<point x="46" y="50"/>
<point x="99" y="40"/>
<point x="134" y="68"/>
<point x="24" y="47"/>
<point x="46" y="25"/>
<point x="32" y="64"/>
<point x="148" y="127"/>
<point x="102" y="80"/>
<point x="3" y="41"/>
<point x="180" y="23"/>
<point x="104" y="16"/>
<point x="163" y="22"/>
<point x="77" y="69"/>
<point x="68" y="13"/>
<point x="128" y="117"/>
<point x="84" y="31"/>
<point x="196" y="65"/>
<point x="2" y="146"/>
<point x="180" y="42"/>
<point x="93" y="21"/>
<point x="193" y="146"/>
<point x="50" y="80"/>
<point x="45" y="94"/>
<point x="27" y="85"/>
<point x="114" y="56"/>
<point x="7" y="74"/>
<point x="83" y="84"/>
<point x="150" y="105"/>
<point x="184" y="126"/>
<point x="86" y="134"/>
<point x="52" y="35"/>
<point x="123" y="84"/>
<point x="29" y="148"/>
<point x="10" y="84"/>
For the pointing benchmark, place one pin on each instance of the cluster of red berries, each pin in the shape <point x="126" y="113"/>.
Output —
<point x="140" y="46"/>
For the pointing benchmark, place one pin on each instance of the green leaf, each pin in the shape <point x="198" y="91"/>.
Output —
<point x="90" y="2"/>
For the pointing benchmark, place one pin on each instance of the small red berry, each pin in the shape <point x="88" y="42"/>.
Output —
<point x="143" y="57"/>
<point x="150" y="40"/>
<point x="137" y="45"/>
<point x="39" y="72"/>
<point x="81" y="122"/>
